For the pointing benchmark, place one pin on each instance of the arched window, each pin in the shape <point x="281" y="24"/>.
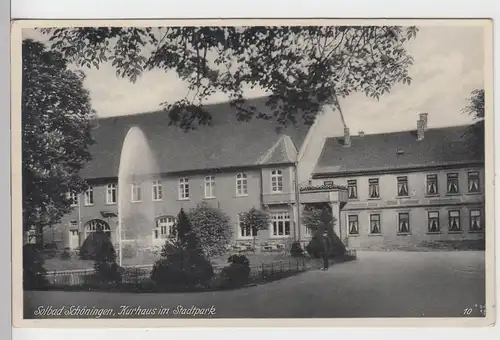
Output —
<point x="164" y="227"/>
<point x="94" y="225"/>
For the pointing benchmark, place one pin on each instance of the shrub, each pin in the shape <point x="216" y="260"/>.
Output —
<point x="33" y="270"/>
<point x="237" y="273"/>
<point x="212" y="227"/>
<point x="65" y="255"/>
<point x="106" y="269"/>
<point x="180" y="266"/>
<point x="93" y="243"/>
<point x="255" y="220"/>
<point x="296" y="249"/>
<point x="315" y="247"/>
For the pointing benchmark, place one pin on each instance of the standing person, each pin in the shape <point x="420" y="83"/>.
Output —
<point x="326" y="252"/>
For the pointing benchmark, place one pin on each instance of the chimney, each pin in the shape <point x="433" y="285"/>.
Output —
<point x="420" y="129"/>
<point x="423" y="117"/>
<point x="361" y="133"/>
<point x="347" y="137"/>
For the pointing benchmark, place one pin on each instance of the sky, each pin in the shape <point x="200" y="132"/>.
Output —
<point x="448" y="65"/>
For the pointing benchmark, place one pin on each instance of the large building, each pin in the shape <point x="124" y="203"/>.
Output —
<point x="384" y="189"/>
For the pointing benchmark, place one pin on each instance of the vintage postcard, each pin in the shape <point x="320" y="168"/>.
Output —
<point x="252" y="173"/>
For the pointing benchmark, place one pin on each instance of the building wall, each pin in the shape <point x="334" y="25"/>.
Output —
<point x="418" y="203"/>
<point x="226" y="198"/>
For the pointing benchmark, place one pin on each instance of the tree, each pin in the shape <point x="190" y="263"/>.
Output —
<point x="255" y="220"/>
<point x="212" y="228"/>
<point x="302" y="68"/>
<point x="475" y="132"/>
<point x="56" y="124"/>
<point x="184" y="234"/>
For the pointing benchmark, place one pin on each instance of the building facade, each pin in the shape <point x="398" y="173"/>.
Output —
<point x="385" y="190"/>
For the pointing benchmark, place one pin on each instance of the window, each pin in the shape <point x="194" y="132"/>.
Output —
<point x="136" y="192"/>
<point x="432" y="185"/>
<point x="209" y="187"/>
<point x="473" y="180"/>
<point x="157" y="191"/>
<point x="164" y="227"/>
<point x="475" y="220"/>
<point x="89" y="196"/>
<point x="328" y="183"/>
<point x="375" y="224"/>
<point x="373" y="187"/>
<point x="452" y="183"/>
<point x="433" y="221"/>
<point x="353" y="224"/>
<point x="403" y="186"/>
<point x="241" y="185"/>
<point x="95" y="225"/>
<point x="404" y="223"/>
<point x="183" y="188"/>
<point x="245" y="231"/>
<point x="281" y="223"/>
<point x="277" y="180"/>
<point x="352" y="189"/>
<point x="73" y="197"/>
<point x="111" y="193"/>
<point x="454" y="220"/>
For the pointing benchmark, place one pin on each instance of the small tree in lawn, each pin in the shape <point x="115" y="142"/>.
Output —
<point x="106" y="269"/>
<point x="255" y="220"/>
<point x="212" y="228"/>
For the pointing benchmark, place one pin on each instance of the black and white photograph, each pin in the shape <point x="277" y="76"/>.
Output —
<point x="196" y="170"/>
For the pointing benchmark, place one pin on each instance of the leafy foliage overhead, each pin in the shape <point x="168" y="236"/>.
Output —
<point x="56" y="124"/>
<point x="475" y="132"/>
<point x="301" y="68"/>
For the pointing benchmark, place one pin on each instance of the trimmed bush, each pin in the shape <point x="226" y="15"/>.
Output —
<point x="65" y="255"/>
<point x="180" y="266"/>
<point x="296" y="249"/>
<point x="106" y="269"/>
<point x="237" y="273"/>
<point x="93" y="243"/>
<point x="315" y="248"/>
<point x="33" y="270"/>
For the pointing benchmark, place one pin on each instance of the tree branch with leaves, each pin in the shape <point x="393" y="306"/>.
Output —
<point x="300" y="68"/>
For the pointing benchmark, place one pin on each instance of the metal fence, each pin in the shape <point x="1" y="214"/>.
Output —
<point x="136" y="274"/>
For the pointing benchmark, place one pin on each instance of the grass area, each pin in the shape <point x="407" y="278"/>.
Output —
<point x="439" y="245"/>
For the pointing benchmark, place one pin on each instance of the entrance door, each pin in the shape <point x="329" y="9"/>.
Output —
<point x="73" y="239"/>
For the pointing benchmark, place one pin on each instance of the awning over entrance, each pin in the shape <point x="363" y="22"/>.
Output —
<point x="323" y="193"/>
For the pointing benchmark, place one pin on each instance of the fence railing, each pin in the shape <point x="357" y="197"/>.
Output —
<point x="136" y="274"/>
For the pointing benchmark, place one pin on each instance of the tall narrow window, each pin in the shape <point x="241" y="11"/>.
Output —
<point x="352" y="189"/>
<point x="353" y="224"/>
<point x="475" y="220"/>
<point x="157" y="190"/>
<point x="111" y="193"/>
<point x="404" y="223"/>
<point x="375" y="224"/>
<point x="433" y="221"/>
<point x="280" y="223"/>
<point x="73" y="197"/>
<point x="473" y="180"/>
<point x="277" y="180"/>
<point x="209" y="187"/>
<point x="136" y="192"/>
<point x="454" y="220"/>
<point x="89" y="196"/>
<point x="241" y="185"/>
<point x="183" y="188"/>
<point x="373" y="188"/>
<point x="452" y="183"/>
<point x="403" y="186"/>
<point x="432" y="185"/>
<point x="245" y="230"/>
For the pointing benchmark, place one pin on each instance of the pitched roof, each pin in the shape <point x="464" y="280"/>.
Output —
<point x="225" y="143"/>
<point x="396" y="150"/>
